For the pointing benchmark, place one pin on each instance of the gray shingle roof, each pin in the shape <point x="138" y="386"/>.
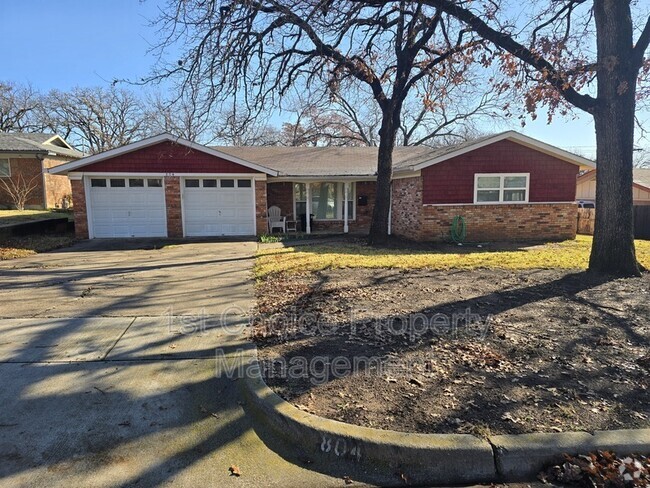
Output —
<point x="316" y="162"/>
<point x="325" y="161"/>
<point x="642" y="177"/>
<point x="347" y="161"/>
<point x="34" y="143"/>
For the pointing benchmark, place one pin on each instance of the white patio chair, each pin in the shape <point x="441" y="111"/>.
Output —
<point x="276" y="221"/>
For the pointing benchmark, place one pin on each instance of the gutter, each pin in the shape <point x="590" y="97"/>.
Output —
<point x="41" y="158"/>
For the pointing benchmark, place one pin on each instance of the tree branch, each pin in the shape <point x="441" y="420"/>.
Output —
<point x="638" y="52"/>
<point x="508" y="43"/>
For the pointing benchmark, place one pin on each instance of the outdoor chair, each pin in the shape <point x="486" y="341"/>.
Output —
<point x="276" y="221"/>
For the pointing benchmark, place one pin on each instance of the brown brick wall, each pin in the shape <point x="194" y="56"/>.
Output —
<point x="173" y="203"/>
<point x="80" y="211"/>
<point x="28" y="169"/>
<point x="281" y="195"/>
<point x="517" y="222"/>
<point x="406" y="210"/>
<point x="56" y="186"/>
<point x="261" y="205"/>
<point x="364" y="213"/>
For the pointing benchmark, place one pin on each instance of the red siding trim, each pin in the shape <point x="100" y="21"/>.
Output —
<point x="452" y="181"/>
<point x="167" y="157"/>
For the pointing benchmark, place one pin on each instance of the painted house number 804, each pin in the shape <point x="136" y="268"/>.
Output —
<point x="340" y="447"/>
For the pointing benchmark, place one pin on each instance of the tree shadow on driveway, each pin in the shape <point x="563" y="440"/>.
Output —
<point x="157" y="414"/>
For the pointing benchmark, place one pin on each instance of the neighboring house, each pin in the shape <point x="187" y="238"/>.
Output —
<point x="507" y="187"/>
<point x="640" y="188"/>
<point x="27" y="157"/>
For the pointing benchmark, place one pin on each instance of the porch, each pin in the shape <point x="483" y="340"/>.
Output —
<point x="336" y="206"/>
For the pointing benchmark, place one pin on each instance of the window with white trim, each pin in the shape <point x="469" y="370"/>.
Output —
<point x="327" y="200"/>
<point x="501" y="188"/>
<point x="5" y="168"/>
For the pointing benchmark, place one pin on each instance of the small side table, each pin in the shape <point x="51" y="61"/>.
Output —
<point x="292" y="226"/>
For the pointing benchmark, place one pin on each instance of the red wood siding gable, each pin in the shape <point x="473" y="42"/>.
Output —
<point x="452" y="181"/>
<point x="166" y="157"/>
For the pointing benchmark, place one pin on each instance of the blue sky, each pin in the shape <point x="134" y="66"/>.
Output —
<point x="66" y="43"/>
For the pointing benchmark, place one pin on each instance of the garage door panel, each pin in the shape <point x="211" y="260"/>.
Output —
<point x="128" y="211"/>
<point x="228" y="213"/>
<point x="210" y="211"/>
<point x="242" y="197"/>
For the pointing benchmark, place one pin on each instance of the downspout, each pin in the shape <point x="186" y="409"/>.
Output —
<point x="41" y="158"/>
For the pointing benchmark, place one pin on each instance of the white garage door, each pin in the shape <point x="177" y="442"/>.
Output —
<point x="127" y="207"/>
<point x="218" y="207"/>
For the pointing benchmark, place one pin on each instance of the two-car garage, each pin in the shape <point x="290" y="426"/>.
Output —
<point x="166" y="187"/>
<point x="123" y="206"/>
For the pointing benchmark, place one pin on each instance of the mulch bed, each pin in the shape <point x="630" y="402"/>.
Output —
<point x="22" y="246"/>
<point x="481" y="352"/>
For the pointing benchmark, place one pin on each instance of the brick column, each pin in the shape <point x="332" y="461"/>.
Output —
<point x="79" y="208"/>
<point x="260" y="206"/>
<point x="173" y="204"/>
<point x="406" y="214"/>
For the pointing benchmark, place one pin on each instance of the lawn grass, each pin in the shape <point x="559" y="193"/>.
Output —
<point x="573" y="254"/>
<point x="20" y="247"/>
<point x="20" y="216"/>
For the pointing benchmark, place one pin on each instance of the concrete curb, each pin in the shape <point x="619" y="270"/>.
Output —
<point x="521" y="457"/>
<point x="380" y="456"/>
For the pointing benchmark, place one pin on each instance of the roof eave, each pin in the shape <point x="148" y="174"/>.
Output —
<point x="515" y="137"/>
<point x="641" y="186"/>
<point x="23" y="151"/>
<point x="111" y="153"/>
<point x="287" y="177"/>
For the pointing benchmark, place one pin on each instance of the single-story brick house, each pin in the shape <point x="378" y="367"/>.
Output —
<point x="507" y="186"/>
<point x="640" y="187"/>
<point x="27" y="157"/>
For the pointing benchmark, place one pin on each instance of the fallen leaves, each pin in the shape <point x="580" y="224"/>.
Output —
<point x="550" y="360"/>
<point x="602" y="469"/>
<point x="234" y="470"/>
<point x="644" y="362"/>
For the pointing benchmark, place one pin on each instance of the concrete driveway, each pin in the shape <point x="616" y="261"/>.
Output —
<point x="109" y="378"/>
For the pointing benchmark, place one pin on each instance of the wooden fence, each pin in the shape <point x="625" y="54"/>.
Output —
<point x="587" y="218"/>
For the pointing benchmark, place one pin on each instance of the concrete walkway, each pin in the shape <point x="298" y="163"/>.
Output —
<point x="109" y="378"/>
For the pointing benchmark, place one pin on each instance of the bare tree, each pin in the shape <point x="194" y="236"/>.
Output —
<point x="454" y="115"/>
<point x="316" y="121"/>
<point x="240" y="126"/>
<point x="552" y="59"/>
<point x="18" y="105"/>
<point x="97" y="119"/>
<point x="259" y="49"/>
<point x="642" y="157"/>
<point x="19" y="189"/>
<point x="183" y="117"/>
<point x="347" y="119"/>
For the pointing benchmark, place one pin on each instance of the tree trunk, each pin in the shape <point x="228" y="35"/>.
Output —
<point x="381" y="213"/>
<point x="613" y="245"/>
